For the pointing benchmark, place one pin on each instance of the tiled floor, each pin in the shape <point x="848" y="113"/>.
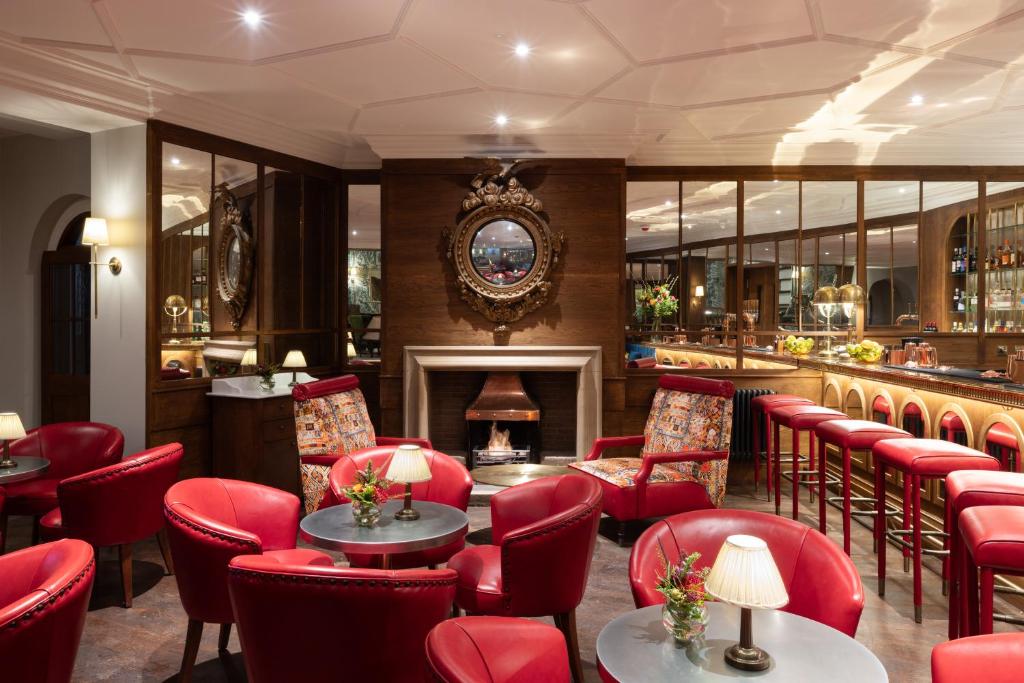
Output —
<point x="144" y="643"/>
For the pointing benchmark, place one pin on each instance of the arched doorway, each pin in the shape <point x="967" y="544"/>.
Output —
<point x="65" y="334"/>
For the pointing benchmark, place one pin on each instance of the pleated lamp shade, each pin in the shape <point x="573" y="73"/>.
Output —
<point x="249" y="357"/>
<point x="745" y="575"/>
<point x="408" y="465"/>
<point x="11" y="427"/>
<point x="294" y="359"/>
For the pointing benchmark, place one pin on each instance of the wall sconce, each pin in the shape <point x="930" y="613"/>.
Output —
<point x="94" y="234"/>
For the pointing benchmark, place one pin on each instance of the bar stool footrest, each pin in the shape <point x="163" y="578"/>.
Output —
<point x="837" y="503"/>
<point x="897" y="537"/>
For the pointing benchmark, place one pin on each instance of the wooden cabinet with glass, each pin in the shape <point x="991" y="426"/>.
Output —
<point x="1004" y="269"/>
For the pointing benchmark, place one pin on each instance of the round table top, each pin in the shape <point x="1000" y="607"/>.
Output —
<point x="334" y="528"/>
<point x="511" y="475"/>
<point x="636" y="647"/>
<point x="28" y="468"/>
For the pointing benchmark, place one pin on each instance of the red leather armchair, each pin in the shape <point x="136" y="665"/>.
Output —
<point x="309" y="623"/>
<point x="497" y="650"/>
<point x="684" y="458"/>
<point x="995" y="658"/>
<point x="210" y="521"/>
<point x="822" y="582"/>
<point x="72" y="448"/>
<point x="544" y="533"/>
<point x="450" y="484"/>
<point x="44" y="595"/>
<point x="331" y="420"/>
<point x="118" y="505"/>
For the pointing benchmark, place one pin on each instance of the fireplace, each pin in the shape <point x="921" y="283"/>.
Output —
<point x="502" y="423"/>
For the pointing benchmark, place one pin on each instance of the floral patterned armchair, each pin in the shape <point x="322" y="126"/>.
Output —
<point x="331" y="421"/>
<point x="685" y="456"/>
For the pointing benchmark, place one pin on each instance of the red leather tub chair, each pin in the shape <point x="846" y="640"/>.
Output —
<point x="308" y="623"/>
<point x="118" y="505"/>
<point x="210" y="521"/>
<point x="72" y="448"/>
<point x="544" y="533"/>
<point x="450" y="484"/>
<point x="331" y="420"/>
<point x="44" y="594"/>
<point x="822" y="582"/>
<point x="684" y="459"/>
<point x="995" y="658"/>
<point x="497" y="650"/>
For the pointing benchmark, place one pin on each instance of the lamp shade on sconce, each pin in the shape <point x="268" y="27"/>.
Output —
<point x="94" y="233"/>
<point x="294" y="359"/>
<point x="11" y="427"/>
<point x="745" y="575"/>
<point x="698" y="291"/>
<point x="408" y="465"/>
<point x="249" y="358"/>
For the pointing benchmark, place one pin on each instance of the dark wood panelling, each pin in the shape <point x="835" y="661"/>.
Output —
<point x="582" y="198"/>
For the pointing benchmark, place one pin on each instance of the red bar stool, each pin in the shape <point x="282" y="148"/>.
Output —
<point x="798" y="418"/>
<point x="759" y="406"/>
<point x="951" y="428"/>
<point x="966" y="489"/>
<point x="918" y="460"/>
<point x="881" y="411"/>
<point x="849" y="435"/>
<point x="993" y="538"/>
<point x="1001" y="443"/>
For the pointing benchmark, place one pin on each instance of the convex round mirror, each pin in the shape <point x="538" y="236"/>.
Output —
<point x="503" y="252"/>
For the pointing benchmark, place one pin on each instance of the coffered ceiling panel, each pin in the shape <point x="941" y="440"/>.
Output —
<point x="470" y="113"/>
<point x="626" y="118"/>
<point x="567" y="53"/>
<point x="913" y="23"/>
<point x="1002" y="43"/>
<point x="410" y="72"/>
<point x="216" y="29"/>
<point x="761" y="73"/>
<point x="666" y="28"/>
<point x="750" y="118"/>
<point x="64" y="20"/>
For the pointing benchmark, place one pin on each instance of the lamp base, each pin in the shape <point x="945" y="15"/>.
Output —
<point x="750" y="658"/>
<point x="407" y="515"/>
<point x="7" y="464"/>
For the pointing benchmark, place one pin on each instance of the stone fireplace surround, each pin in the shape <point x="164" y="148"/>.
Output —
<point x="585" y="361"/>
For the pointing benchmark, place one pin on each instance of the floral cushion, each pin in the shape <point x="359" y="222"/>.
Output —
<point x="678" y="422"/>
<point x="334" y="424"/>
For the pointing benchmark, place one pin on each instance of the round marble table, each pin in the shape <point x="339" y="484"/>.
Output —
<point x="636" y="647"/>
<point x="334" y="528"/>
<point x="28" y="468"/>
<point x="510" y="475"/>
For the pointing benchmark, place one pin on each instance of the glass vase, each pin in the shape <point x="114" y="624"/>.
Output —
<point x="267" y="384"/>
<point x="685" y="623"/>
<point x="365" y="514"/>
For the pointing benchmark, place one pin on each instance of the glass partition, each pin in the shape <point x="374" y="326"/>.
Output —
<point x="891" y="219"/>
<point x="771" y="222"/>
<point x="950" y="220"/>
<point x="364" y="267"/>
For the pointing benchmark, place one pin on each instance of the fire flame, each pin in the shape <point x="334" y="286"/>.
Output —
<point x="499" y="440"/>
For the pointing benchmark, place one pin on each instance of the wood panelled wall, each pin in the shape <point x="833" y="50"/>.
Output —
<point x="585" y="199"/>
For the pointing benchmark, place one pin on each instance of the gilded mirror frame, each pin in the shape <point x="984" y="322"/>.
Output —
<point x="233" y="230"/>
<point x="496" y="197"/>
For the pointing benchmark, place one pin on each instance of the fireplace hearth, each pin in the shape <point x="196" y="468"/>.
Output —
<point x="502" y="423"/>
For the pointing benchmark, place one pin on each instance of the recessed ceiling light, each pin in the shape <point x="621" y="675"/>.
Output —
<point x="627" y="239"/>
<point x="355" y="232"/>
<point x="903" y="190"/>
<point x="501" y="119"/>
<point x="916" y="100"/>
<point x="778" y="212"/>
<point x="522" y="50"/>
<point x="775" y="181"/>
<point x="668" y="202"/>
<point x="682" y="215"/>
<point x="252" y="18"/>
<point x="175" y="161"/>
<point x="826" y="253"/>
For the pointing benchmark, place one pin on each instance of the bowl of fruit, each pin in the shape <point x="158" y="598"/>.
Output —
<point x="865" y="352"/>
<point x="798" y="346"/>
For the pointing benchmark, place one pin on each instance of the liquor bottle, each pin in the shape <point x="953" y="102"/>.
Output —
<point x="1013" y="255"/>
<point x="973" y="265"/>
<point x="952" y="261"/>
<point x="1006" y="253"/>
<point x="960" y="305"/>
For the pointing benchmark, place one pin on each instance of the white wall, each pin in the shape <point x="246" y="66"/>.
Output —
<point x="118" y="368"/>
<point x="42" y="182"/>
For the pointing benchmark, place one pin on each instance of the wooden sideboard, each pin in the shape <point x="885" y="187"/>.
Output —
<point x="254" y="435"/>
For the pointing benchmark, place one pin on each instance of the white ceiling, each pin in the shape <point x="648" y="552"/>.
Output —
<point x="685" y="82"/>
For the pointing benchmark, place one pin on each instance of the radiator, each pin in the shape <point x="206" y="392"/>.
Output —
<point x="741" y="448"/>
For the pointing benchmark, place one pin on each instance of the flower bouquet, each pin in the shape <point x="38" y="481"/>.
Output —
<point x="685" y="615"/>
<point x="266" y="374"/>
<point x="656" y="302"/>
<point x="367" y="493"/>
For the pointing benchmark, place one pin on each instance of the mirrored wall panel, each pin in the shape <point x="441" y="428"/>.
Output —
<point x="365" y="290"/>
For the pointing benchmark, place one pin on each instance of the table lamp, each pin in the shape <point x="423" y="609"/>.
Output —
<point x="249" y="359"/>
<point x="350" y="347"/>
<point x="294" y="360"/>
<point x="851" y="296"/>
<point x="825" y="300"/>
<point x="10" y="429"/>
<point x="408" y="466"/>
<point x="745" y="575"/>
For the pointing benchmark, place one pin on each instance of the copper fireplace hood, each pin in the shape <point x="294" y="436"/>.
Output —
<point x="503" y="399"/>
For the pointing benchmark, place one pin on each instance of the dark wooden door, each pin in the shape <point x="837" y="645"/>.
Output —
<point x="66" y="312"/>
